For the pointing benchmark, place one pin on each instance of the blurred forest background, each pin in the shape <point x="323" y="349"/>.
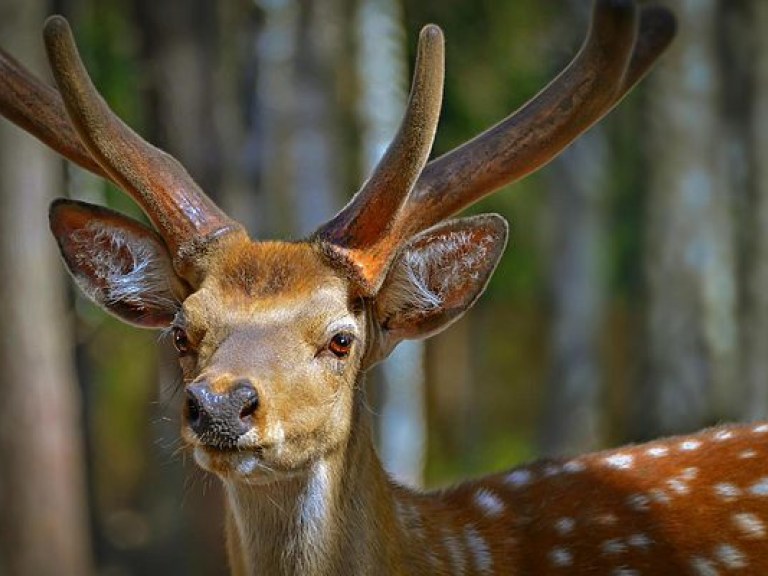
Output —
<point x="632" y="300"/>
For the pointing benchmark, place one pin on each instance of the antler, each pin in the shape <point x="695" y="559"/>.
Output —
<point x="620" y="48"/>
<point x="616" y="54"/>
<point x="183" y="215"/>
<point x="359" y="232"/>
<point x="399" y="199"/>
<point x="38" y="109"/>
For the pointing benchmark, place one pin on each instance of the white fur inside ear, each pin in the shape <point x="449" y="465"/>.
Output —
<point x="423" y="276"/>
<point x="123" y="268"/>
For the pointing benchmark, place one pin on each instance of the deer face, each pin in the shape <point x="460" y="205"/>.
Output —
<point x="273" y="341"/>
<point x="270" y="346"/>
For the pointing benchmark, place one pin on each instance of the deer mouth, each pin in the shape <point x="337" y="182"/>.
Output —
<point x="241" y="465"/>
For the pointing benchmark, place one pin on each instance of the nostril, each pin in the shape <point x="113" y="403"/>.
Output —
<point x="249" y="400"/>
<point x="250" y="408"/>
<point x="194" y="411"/>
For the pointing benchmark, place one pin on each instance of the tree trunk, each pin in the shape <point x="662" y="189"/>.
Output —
<point x="753" y="22"/>
<point x="571" y="412"/>
<point x="42" y="489"/>
<point x="297" y="50"/>
<point x="691" y="332"/>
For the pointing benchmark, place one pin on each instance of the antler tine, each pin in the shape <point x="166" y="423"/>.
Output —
<point x="358" y="230"/>
<point x="38" y="109"/>
<point x="183" y="215"/>
<point x="614" y="57"/>
<point x="657" y="29"/>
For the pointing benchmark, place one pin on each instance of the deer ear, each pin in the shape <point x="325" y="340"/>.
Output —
<point x="438" y="276"/>
<point x="119" y="263"/>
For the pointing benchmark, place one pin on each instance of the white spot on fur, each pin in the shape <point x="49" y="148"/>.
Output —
<point x="760" y="488"/>
<point x="727" y="491"/>
<point x="690" y="473"/>
<point x="490" y="503"/>
<point x="690" y="445"/>
<point x="613" y="546"/>
<point x="551" y="470"/>
<point x="455" y="551"/>
<point x="703" y="567"/>
<point x="750" y="525"/>
<point x="560" y="557"/>
<point x="519" y="478"/>
<point x="678" y="486"/>
<point x="565" y="525"/>
<point x="657" y="451"/>
<point x="760" y="429"/>
<point x="730" y="556"/>
<point x="620" y="461"/>
<point x="478" y="548"/>
<point x="638" y="502"/>
<point x="747" y="454"/>
<point x="639" y="540"/>
<point x="659" y="496"/>
<point x="722" y="435"/>
<point x="574" y="466"/>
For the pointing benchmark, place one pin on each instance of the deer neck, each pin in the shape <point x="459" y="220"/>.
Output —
<point x="334" y="520"/>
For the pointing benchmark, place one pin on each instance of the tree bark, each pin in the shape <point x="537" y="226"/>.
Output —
<point x="745" y="37"/>
<point x="42" y="487"/>
<point x="299" y="151"/>
<point x="571" y="412"/>
<point x="691" y="331"/>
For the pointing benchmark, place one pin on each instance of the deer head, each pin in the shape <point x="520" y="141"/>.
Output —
<point x="273" y="336"/>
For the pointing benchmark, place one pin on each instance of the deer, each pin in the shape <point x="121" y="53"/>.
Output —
<point x="274" y="339"/>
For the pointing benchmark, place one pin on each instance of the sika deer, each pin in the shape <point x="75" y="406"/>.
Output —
<point x="274" y="337"/>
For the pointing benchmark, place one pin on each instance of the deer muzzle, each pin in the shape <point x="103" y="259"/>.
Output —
<point x="220" y="419"/>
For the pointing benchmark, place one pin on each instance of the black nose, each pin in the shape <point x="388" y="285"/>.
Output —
<point x="220" y="419"/>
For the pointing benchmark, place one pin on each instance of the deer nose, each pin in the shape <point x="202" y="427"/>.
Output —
<point x="220" y="419"/>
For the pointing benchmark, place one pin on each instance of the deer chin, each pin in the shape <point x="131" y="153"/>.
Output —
<point x="248" y="466"/>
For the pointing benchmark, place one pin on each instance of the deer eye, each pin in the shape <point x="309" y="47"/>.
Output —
<point x="341" y="344"/>
<point x="181" y="341"/>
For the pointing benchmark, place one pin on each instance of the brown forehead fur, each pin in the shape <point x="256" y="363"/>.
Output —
<point x="267" y="269"/>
